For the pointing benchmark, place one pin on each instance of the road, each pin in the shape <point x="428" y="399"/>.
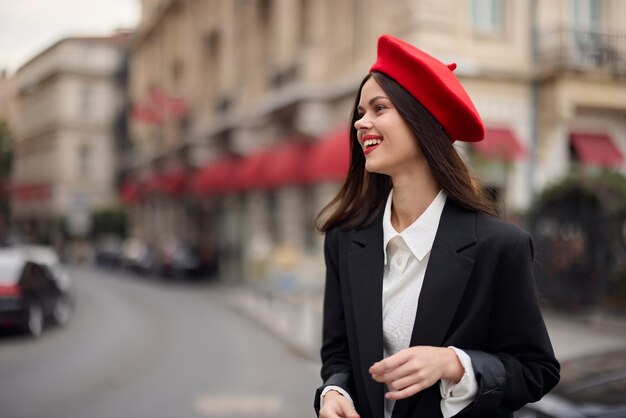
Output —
<point x="145" y="348"/>
<point x="142" y="347"/>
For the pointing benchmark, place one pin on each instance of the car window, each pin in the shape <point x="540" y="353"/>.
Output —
<point x="10" y="270"/>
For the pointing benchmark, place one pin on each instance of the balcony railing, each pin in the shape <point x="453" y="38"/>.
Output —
<point x="583" y="50"/>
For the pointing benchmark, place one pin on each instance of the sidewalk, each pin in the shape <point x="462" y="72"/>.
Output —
<point x="295" y="318"/>
<point x="575" y="335"/>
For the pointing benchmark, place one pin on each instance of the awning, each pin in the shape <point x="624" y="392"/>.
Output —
<point x="215" y="178"/>
<point x="169" y="183"/>
<point x="252" y="171"/>
<point x="173" y="183"/>
<point x="287" y="165"/>
<point x="596" y="149"/>
<point x="130" y="193"/>
<point x="33" y="191"/>
<point x="152" y="184"/>
<point x="330" y="158"/>
<point x="500" y="144"/>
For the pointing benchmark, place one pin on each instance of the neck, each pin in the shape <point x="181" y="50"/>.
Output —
<point x="412" y="194"/>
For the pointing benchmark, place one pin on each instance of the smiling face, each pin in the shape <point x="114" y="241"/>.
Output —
<point x="390" y="147"/>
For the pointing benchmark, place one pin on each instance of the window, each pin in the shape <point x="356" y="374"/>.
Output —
<point x="591" y="48"/>
<point x="487" y="15"/>
<point x="212" y="45"/>
<point x="84" y="159"/>
<point x="584" y="13"/>
<point x="85" y="100"/>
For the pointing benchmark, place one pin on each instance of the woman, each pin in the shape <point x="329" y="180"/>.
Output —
<point x="430" y="306"/>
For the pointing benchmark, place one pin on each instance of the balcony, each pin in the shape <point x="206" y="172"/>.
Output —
<point x="567" y="49"/>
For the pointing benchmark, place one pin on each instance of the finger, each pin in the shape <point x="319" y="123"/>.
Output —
<point x="389" y="363"/>
<point x="405" y="382"/>
<point x="406" y="369"/>
<point x="406" y="392"/>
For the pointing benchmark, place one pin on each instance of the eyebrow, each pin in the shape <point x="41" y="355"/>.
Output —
<point x="372" y="100"/>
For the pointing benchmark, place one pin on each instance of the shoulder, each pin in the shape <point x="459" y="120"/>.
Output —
<point x="336" y="237"/>
<point x="499" y="232"/>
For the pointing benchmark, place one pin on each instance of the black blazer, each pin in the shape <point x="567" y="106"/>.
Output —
<point x="478" y="295"/>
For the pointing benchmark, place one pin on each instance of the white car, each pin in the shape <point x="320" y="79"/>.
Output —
<point x="34" y="289"/>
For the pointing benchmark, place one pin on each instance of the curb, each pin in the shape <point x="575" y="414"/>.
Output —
<point x="293" y="318"/>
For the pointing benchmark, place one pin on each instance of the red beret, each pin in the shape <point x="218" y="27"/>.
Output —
<point x="433" y="84"/>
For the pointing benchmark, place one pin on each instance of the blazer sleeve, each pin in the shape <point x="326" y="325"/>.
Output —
<point x="520" y="366"/>
<point x="336" y="365"/>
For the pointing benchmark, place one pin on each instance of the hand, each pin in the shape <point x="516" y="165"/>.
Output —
<point x="336" y="405"/>
<point x="416" y="368"/>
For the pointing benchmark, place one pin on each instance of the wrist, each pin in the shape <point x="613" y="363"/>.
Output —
<point x="332" y="393"/>
<point x="453" y="368"/>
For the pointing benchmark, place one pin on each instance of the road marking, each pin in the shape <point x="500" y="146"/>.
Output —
<point x="220" y="405"/>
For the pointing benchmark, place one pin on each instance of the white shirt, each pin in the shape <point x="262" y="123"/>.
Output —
<point x="406" y="256"/>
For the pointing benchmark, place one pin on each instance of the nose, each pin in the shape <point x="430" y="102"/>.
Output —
<point x="362" y="124"/>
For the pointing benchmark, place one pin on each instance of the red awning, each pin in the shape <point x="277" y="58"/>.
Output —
<point x="287" y="165"/>
<point x="130" y="193"/>
<point x="252" y="171"/>
<point x="169" y="183"/>
<point x="596" y="149"/>
<point x="152" y="183"/>
<point x="329" y="159"/>
<point x="215" y="178"/>
<point x="500" y="144"/>
<point x="26" y="192"/>
<point x="174" y="182"/>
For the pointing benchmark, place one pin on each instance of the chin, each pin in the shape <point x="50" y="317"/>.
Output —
<point x="375" y="168"/>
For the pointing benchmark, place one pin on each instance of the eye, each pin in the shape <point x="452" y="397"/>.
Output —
<point x="379" y="108"/>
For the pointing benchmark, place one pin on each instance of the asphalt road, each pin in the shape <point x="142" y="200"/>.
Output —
<point x="144" y="348"/>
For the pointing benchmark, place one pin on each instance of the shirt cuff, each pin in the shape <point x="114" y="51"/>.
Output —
<point x="455" y="397"/>
<point x="338" y="389"/>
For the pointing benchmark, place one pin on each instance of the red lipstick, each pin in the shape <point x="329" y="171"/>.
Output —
<point x="368" y="149"/>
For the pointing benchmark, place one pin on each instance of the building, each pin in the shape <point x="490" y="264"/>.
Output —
<point x="7" y="98"/>
<point x="70" y="107"/>
<point x="222" y="89"/>
<point x="7" y="121"/>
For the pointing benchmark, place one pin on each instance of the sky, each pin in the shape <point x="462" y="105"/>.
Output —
<point x="27" y="27"/>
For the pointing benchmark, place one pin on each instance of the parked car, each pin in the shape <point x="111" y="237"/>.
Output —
<point x="592" y="386"/>
<point x="34" y="289"/>
<point x="140" y="257"/>
<point x="180" y="260"/>
<point x="108" y="250"/>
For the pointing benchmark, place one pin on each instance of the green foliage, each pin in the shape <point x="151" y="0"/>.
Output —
<point x="606" y="189"/>
<point x="603" y="192"/>
<point x="109" y="221"/>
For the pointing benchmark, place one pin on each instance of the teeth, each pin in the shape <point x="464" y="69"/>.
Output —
<point x="372" y="142"/>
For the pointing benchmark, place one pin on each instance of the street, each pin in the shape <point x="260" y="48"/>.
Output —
<point x="142" y="347"/>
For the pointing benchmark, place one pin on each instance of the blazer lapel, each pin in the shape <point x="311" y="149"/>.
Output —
<point x="444" y="282"/>
<point x="365" y="273"/>
<point x="446" y="275"/>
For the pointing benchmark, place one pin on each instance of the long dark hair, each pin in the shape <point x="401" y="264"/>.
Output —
<point x="363" y="195"/>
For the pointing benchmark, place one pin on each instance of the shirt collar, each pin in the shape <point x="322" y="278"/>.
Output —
<point x="420" y="235"/>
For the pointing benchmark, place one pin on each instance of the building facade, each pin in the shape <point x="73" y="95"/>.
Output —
<point x="221" y="85"/>
<point x="70" y="102"/>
